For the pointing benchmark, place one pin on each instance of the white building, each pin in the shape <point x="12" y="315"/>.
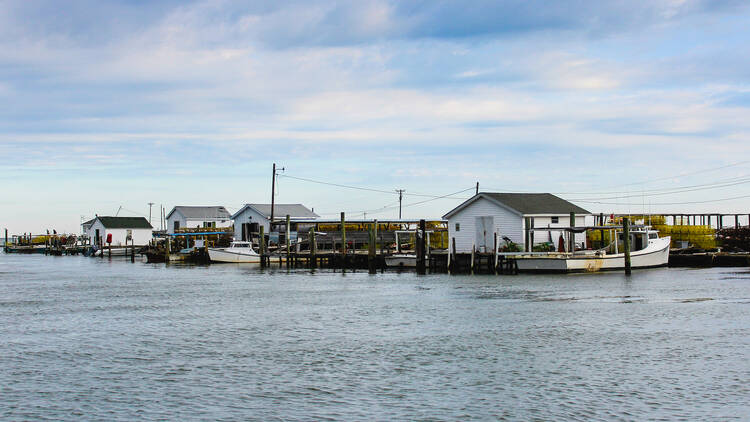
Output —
<point x="182" y="217"/>
<point x="475" y="222"/>
<point x="260" y="214"/>
<point x="120" y="228"/>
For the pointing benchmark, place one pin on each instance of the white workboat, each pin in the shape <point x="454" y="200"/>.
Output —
<point x="237" y="252"/>
<point x="652" y="251"/>
<point x="405" y="260"/>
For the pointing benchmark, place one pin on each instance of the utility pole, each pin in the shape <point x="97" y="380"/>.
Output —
<point x="273" y="189"/>
<point x="400" y="196"/>
<point x="150" y="204"/>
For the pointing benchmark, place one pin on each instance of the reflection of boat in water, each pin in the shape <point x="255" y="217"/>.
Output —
<point x="237" y="252"/>
<point x="649" y="251"/>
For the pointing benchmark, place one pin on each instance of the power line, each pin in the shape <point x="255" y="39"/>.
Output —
<point x="676" y="190"/>
<point x="357" y="187"/>
<point x="667" y="203"/>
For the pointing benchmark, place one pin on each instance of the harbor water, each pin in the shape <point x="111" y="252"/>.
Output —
<point x="90" y="338"/>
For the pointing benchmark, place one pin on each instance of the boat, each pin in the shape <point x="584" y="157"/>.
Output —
<point x="406" y="260"/>
<point x="650" y="251"/>
<point x="237" y="252"/>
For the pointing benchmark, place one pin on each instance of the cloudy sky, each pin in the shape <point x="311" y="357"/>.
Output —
<point x="617" y="106"/>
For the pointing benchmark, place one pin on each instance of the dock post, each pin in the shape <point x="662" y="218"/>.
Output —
<point x="572" y="234"/>
<point x="101" y="247"/>
<point x="494" y="253"/>
<point x="527" y="236"/>
<point x="288" y="233"/>
<point x="452" y="267"/>
<point x="531" y="234"/>
<point x="371" y="249"/>
<point x="262" y="247"/>
<point x="473" y="249"/>
<point x="343" y="241"/>
<point x="313" y="247"/>
<point x="421" y="247"/>
<point x="166" y="249"/>
<point x="5" y="241"/>
<point x="626" y="243"/>
<point x="132" y="250"/>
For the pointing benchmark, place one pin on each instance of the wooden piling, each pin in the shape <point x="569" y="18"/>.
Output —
<point x="313" y="248"/>
<point x="371" y="249"/>
<point x="572" y="237"/>
<point x="421" y="247"/>
<point x="527" y="236"/>
<point x="626" y="243"/>
<point x="343" y="240"/>
<point x="5" y="241"/>
<point x="494" y="255"/>
<point x="262" y="247"/>
<point x="286" y="237"/>
<point x="166" y="249"/>
<point x="453" y="252"/>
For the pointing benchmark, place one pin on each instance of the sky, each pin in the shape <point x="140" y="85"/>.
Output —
<point x="620" y="106"/>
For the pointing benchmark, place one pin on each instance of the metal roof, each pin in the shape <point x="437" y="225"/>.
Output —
<point x="207" y="213"/>
<point x="526" y="203"/>
<point x="124" y="222"/>
<point x="279" y="211"/>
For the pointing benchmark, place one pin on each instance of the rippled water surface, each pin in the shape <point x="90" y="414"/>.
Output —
<point x="84" y="338"/>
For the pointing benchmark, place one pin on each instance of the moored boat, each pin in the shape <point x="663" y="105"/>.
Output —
<point x="650" y="251"/>
<point x="237" y="252"/>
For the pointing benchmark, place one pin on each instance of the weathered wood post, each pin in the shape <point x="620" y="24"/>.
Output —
<point x="343" y="240"/>
<point x="452" y="267"/>
<point x="572" y="239"/>
<point x="166" y="249"/>
<point x="313" y="247"/>
<point x="262" y="246"/>
<point x="531" y="234"/>
<point x="473" y="250"/>
<point x="421" y="249"/>
<point x="287" y="238"/>
<point x="5" y="241"/>
<point x="371" y="249"/>
<point x="494" y="256"/>
<point x="626" y="243"/>
<point x="132" y="250"/>
<point x="736" y="222"/>
<point x="601" y="232"/>
<point x="527" y="235"/>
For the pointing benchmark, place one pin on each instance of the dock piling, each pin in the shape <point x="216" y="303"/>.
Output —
<point x="626" y="243"/>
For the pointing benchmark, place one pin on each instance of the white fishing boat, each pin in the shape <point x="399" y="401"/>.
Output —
<point x="237" y="252"/>
<point x="406" y="260"/>
<point x="401" y="260"/>
<point x="649" y="251"/>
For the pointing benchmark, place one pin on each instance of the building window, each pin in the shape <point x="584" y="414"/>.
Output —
<point x="458" y="227"/>
<point x="555" y="220"/>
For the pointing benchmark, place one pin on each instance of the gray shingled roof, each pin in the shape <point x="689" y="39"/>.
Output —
<point x="527" y="203"/>
<point x="125" y="222"/>
<point x="280" y="210"/>
<point x="218" y="212"/>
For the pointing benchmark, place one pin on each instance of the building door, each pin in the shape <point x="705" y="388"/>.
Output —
<point x="176" y="226"/>
<point x="485" y="227"/>
<point x="98" y="240"/>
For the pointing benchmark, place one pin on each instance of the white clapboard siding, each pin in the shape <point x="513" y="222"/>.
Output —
<point x="506" y="222"/>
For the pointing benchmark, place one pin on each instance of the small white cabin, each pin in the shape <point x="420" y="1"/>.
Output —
<point x="121" y="228"/>
<point x="260" y="214"/>
<point x="182" y="217"/>
<point x="475" y="222"/>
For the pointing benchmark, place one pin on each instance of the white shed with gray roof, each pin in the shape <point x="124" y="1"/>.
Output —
<point x="261" y="214"/>
<point x="183" y="216"/>
<point x="475" y="222"/>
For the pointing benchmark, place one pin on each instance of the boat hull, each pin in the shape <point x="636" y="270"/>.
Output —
<point x="237" y="257"/>
<point x="655" y="255"/>
<point x="402" y="260"/>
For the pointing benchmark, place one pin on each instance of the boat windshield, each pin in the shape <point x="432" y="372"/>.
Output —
<point x="240" y="244"/>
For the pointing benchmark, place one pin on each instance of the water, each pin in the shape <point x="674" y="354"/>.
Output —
<point x="84" y="338"/>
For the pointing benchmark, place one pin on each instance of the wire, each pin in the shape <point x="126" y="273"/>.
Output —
<point x="390" y="192"/>
<point x="676" y="190"/>
<point x="669" y="203"/>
